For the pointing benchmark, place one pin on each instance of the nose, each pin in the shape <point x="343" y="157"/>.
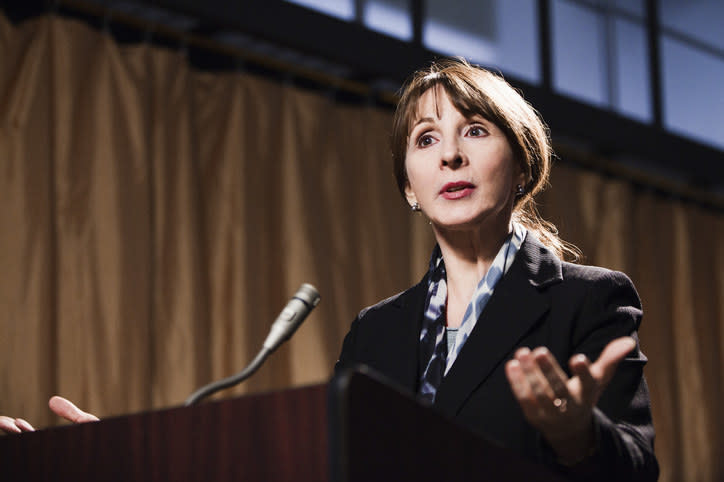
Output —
<point x="453" y="162"/>
<point x="451" y="155"/>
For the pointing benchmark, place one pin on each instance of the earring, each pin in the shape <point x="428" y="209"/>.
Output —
<point x="519" y="191"/>
<point x="415" y="207"/>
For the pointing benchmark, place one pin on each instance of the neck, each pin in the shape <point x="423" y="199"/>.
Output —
<point x="468" y="256"/>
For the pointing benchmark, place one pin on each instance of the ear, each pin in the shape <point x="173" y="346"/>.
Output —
<point x="522" y="180"/>
<point x="519" y="178"/>
<point x="410" y="194"/>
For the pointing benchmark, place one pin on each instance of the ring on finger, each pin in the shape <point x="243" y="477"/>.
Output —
<point x="561" y="404"/>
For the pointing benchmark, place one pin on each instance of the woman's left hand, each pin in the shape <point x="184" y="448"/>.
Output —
<point x="561" y="408"/>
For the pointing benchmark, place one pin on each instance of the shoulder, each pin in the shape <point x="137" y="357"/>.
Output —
<point x="581" y="297"/>
<point x="596" y="277"/>
<point x="384" y="336"/>
<point x="593" y="274"/>
<point x="402" y="300"/>
<point x="547" y="270"/>
<point x="600" y="282"/>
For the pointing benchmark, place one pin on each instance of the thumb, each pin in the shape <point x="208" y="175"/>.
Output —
<point x="615" y="351"/>
<point x="65" y="408"/>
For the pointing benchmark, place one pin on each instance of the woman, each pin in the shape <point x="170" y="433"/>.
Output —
<point x="470" y="154"/>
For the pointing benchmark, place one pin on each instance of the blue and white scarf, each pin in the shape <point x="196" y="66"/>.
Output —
<point x="435" y="361"/>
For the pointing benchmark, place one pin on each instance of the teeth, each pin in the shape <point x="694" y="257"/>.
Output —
<point x="457" y="188"/>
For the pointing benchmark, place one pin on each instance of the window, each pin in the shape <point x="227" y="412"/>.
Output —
<point x="579" y="52"/>
<point x="342" y="9"/>
<point x="391" y="17"/>
<point x="500" y="34"/>
<point x="692" y="53"/>
<point x="599" y="49"/>
<point x="693" y="92"/>
<point x="699" y="20"/>
<point x="600" y="55"/>
<point x="631" y="92"/>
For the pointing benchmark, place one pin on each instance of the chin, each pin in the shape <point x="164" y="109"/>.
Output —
<point x="457" y="224"/>
<point x="481" y="222"/>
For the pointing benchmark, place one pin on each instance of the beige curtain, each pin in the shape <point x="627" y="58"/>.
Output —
<point x="155" y="219"/>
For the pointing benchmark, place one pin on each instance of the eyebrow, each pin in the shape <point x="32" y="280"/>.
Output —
<point x="421" y="121"/>
<point x="432" y="120"/>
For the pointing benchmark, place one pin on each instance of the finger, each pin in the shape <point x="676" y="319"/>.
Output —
<point x="521" y="351"/>
<point x="66" y="409"/>
<point x="604" y="368"/>
<point x="516" y="379"/>
<point x="581" y="368"/>
<point x="552" y="372"/>
<point x="521" y="389"/>
<point x="7" y="425"/>
<point x="540" y="386"/>
<point x="24" y="425"/>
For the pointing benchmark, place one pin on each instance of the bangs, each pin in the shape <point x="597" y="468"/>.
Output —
<point x="465" y="96"/>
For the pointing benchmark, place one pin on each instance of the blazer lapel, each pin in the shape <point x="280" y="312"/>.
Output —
<point x="397" y="337"/>
<point x="516" y="306"/>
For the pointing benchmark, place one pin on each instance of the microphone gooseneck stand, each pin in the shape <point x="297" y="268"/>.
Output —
<point x="297" y="309"/>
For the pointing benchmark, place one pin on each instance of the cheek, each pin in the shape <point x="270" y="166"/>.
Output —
<point x="413" y="169"/>
<point x="503" y="170"/>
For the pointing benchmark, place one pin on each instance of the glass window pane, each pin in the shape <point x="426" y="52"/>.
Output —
<point x="632" y="95"/>
<point x="692" y="92"/>
<point x="702" y="20"/>
<point x="636" y="8"/>
<point x="518" y="39"/>
<point x="633" y="7"/>
<point x="469" y="30"/>
<point x="343" y="9"/>
<point x="579" y="55"/>
<point x="391" y="17"/>
<point x="500" y="34"/>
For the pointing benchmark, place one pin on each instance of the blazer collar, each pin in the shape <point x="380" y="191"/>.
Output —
<point x="518" y="303"/>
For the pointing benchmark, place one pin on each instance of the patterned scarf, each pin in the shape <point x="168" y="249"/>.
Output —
<point x="435" y="361"/>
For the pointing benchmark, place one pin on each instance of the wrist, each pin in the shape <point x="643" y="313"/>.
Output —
<point x="573" y="448"/>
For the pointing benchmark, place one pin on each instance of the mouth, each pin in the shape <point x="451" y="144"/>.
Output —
<point x="456" y="187"/>
<point x="456" y="190"/>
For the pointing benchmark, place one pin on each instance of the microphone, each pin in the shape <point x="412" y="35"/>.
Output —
<point x="297" y="309"/>
<point x="303" y="301"/>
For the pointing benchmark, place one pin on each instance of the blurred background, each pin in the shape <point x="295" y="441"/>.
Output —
<point x="172" y="170"/>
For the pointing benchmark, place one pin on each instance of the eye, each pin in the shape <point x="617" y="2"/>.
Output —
<point x="476" y="130"/>
<point x="425" y="140"/>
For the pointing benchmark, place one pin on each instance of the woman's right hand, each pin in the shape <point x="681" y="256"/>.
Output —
<point x="60" y="406"/>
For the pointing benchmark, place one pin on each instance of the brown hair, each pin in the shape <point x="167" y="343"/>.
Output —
<point x="474" y="90"/>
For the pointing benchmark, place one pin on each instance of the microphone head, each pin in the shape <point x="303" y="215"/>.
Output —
<point x="303" y="301"/>
<point x="308" y="294"/>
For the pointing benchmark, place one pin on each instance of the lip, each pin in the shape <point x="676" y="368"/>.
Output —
<point x="460" y="189"/>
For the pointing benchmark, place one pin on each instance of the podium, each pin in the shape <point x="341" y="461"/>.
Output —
<point x="354" y="429"/>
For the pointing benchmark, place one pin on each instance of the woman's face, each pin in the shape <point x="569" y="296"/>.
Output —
<point x="460" y="170"/>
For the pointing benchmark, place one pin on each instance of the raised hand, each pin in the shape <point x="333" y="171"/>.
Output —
<point x="561" y="408"/>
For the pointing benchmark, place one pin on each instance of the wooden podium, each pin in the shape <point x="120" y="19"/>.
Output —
<point x="353" y="429"/>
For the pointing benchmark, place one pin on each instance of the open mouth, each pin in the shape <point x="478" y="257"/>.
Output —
<point x="453" y="187"/>
<point x="456" y="190"/>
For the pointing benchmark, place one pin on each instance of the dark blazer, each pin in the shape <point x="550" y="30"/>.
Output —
<point x="541" y="301"/>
